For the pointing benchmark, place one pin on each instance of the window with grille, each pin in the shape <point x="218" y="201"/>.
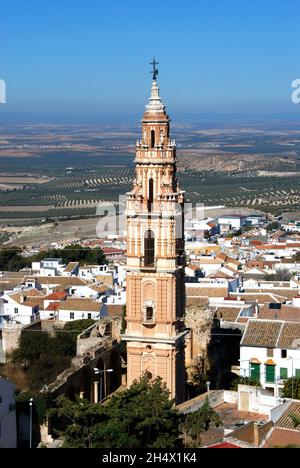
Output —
<point x="149" y="248"/>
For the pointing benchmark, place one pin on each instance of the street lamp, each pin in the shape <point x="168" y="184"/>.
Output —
<point x="30" y="422"/>
<point x="100" y="372"/>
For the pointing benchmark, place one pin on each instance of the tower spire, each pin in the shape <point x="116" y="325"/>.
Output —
<point x="154" y="70"/>
<point x="155" y="104"/>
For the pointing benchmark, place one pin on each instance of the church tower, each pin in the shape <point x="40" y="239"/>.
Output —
<point x="156" y="332"/>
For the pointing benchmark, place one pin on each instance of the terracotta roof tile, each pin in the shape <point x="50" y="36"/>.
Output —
<point x="81" y="305"/>
<point x="285" y="421"/>
<point x="261" y="334"/>
<point x="282" y="438"/>
<point x="289" y="336"/>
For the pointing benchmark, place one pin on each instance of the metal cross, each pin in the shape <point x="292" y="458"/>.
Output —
<point x="155" y="70"/>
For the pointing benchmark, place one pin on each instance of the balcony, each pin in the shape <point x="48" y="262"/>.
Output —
<point x="148" y="265"/>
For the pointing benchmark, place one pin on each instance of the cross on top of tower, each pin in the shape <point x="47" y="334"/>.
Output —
<point x="154" y="70"/>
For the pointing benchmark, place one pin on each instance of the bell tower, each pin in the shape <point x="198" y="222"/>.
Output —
<point x="156" y="332"/>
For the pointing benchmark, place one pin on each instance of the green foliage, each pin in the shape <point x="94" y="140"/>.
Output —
<point x="273" y="226"/>
<point x="297" y="257"/>
<point x="141" y="417"/>
<point x="199" y="421"/>
<point x="198" y="378"/>
<point x="41" y="403"/>
<point x="74" y="253"/>
<point x="11" y="259"/>
<point x="291" y="388"/>
<point x="43" y="356"/>
<point x="243" y="381"/>
<point x="280" y="275"/>
<point x="296" y="419"/>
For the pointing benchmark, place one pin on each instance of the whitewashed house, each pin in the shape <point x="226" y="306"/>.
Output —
<point x="48" y="266"/>
<point x="270" y="353"/>
<point x="21" y="307"/>
<point x="79" y="309"/>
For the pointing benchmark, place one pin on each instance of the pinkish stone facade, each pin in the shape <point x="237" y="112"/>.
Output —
<point x="155" y="258"/>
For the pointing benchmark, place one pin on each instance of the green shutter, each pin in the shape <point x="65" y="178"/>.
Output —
<point x="283" y="373"/>
<point x="270" y="373"/>
<point x="297" y="373"/>
<point x="255" y="371"/>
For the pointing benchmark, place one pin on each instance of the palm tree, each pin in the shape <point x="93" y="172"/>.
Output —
<point x="296" y="419"/>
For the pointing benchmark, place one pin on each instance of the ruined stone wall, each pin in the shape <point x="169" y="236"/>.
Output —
<point x="199" y="320"/>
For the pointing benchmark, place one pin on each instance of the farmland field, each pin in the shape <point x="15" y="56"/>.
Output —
<point x="64" y="171"/>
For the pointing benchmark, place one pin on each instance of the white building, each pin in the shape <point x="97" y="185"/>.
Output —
<point x="208" y="264"/>
<point x="232" y="222"/>
<point x="255" y="220"/>
<point x="21" y="307"/>
<point x="48" y="266"/>
<point x="292" y="226"/>
<point x="270" y="353"/>
<point x="8" y="421"/>
<point x="79" y="309"/>
<point x="89" y="272"/>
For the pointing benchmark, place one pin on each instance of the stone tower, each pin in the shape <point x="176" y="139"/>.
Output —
<point x="156" y="332"/>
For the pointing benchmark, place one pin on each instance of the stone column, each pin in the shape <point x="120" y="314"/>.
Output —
<point x="96" y="391"/>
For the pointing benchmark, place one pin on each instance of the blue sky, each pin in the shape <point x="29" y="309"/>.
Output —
<point x="92" y="56"/>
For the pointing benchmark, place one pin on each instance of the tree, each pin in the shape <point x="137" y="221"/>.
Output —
<point x="296" y="257"/>
<point x="296" y="419"/>
<point x="291" y="388"/>
<point x="243" y="381"/>
<point x="11" y="259"/>
<point x="198" y="378"/>
<point x="280" y="275"/>
<point x="199" y="421"/>
<point x="141" y="417"/>
<point x="273" y="226"/>
<point x="43" y="357"/>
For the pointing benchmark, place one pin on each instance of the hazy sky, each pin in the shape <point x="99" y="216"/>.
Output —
<point x="93" y="55"/>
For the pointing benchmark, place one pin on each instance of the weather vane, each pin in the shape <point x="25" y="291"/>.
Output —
<point x="155" y="71"/>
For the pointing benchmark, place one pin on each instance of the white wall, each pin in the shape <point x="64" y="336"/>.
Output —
<point x="25" y="314"/>
<point x="248" y="353"/>
<point x="258" y="402"/>
<point x="84" y="291"/>
<point x="8" y="422"/>
<point x="64" y="315"/>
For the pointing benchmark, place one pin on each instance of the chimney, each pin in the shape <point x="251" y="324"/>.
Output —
<point x="22" y="299"/>
<point x="255" y="434"/>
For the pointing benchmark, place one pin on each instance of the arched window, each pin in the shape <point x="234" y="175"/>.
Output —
<point x="149" y="313"/>
<point x="152" y="138"/>
<point x="149" y="247"/>
<point x="150" y="195"/>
